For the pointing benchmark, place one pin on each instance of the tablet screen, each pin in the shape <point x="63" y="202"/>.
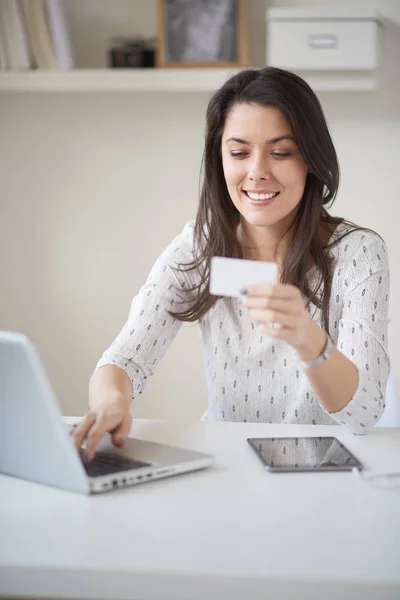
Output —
<point x="304" y="454"/>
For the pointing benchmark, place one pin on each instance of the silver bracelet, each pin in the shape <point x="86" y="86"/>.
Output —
<point x="321" y="358"/>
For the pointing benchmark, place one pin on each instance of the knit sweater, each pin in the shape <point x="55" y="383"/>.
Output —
<point x="254" y="378"/>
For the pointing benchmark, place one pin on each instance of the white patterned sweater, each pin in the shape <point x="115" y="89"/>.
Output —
<point x="254" y="378"/>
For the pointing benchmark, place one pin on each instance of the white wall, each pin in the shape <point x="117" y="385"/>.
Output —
<point x="94" y="186"/>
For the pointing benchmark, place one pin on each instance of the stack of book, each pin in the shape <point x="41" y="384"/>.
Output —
<point x="34" y="35"/>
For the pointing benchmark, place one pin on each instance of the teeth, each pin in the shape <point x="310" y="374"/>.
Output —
<point x="261" y="196"/>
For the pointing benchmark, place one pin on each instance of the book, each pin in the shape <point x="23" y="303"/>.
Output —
<point x="3" y="60"/>
<point x="38" y="28"/>
<point x="14" y="36"/>
<point x="60" y="35"/>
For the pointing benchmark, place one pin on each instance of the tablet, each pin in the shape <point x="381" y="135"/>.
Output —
<point x="289" y="454"/>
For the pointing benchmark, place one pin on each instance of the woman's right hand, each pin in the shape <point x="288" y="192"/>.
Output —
<point x="111" y="416"/>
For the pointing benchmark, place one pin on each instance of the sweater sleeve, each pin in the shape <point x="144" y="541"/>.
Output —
<point x="363" y="331"/>
<point x="150" y="329"/>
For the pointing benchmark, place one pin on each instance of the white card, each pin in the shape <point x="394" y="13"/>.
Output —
<point x="230" y="275"/>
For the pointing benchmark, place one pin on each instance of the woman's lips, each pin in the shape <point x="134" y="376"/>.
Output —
<point x="261" y="202"/>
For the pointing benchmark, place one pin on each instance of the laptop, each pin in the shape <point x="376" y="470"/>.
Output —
<point x="35" y="443"/>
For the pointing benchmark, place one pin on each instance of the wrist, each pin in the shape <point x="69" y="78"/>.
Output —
<point x="314" y="344"/>
<point x="109" y="399"/>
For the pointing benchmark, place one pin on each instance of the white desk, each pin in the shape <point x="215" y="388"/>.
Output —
<point x="230" y="531"/>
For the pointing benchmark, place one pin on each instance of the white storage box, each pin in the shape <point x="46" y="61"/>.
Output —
<point x="323" y="39"/>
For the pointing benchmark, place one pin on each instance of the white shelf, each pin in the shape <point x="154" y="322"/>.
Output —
<point x="115" y="80"/>
<point x="159" y="80"/>
<point x="341" y="81"/>
<point x="309" y="13"/>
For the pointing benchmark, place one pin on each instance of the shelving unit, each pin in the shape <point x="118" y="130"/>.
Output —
<point x="156" y="80"/>
<point x="115" y="80"/>
<point x="92" y="24"/>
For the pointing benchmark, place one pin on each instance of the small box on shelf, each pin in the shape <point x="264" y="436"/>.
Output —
<point x="338" y="46"/>
<point x="131" y="53"/>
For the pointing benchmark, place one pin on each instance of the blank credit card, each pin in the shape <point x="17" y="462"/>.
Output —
<point x="230" y="275"/>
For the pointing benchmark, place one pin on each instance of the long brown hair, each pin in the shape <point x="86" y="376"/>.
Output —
<point x="215" y="231"/>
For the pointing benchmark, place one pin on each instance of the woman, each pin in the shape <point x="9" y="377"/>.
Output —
<point x="270" y="170"/>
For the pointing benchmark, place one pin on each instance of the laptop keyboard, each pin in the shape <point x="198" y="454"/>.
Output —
<point x="105" y="463"/>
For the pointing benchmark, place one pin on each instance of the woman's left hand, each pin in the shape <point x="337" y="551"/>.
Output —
<point x="280" y="304"/>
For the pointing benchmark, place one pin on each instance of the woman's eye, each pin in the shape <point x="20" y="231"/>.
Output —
<point x="238" y="154"/>
<point x="280" y="154"/>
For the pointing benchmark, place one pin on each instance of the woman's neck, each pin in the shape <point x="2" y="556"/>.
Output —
<point x="260" y="243"/>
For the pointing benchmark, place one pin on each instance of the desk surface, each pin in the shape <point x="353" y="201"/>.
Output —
<point x="230" y="531"/>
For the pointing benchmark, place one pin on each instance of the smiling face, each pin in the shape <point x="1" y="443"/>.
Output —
<point x="264" y="171"/>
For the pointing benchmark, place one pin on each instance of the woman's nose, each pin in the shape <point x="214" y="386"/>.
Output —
<point x="259" y="171"/>
<point x="259" y="176"/>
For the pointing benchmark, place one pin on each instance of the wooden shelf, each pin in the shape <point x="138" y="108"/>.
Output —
<point x="160" y="80"/>
<point x="115" y="80"/>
